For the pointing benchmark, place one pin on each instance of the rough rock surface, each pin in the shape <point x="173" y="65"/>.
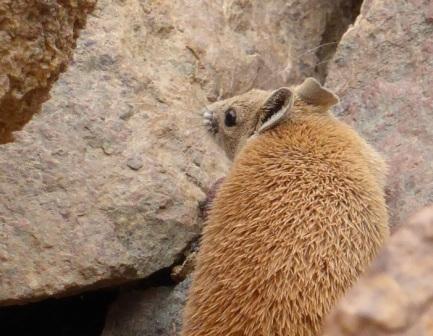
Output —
<point x="155" y="311"/>
<point x="102" y="185"/>
<point x="396" y="296"/>
<point x="36" y="42"/>
<point x="267" y="45"/>
<point x="382" y="72"/>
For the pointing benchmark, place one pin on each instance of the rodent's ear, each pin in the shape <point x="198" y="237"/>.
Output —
<point x="313" y="93"/>
<point x="275" y="109"/>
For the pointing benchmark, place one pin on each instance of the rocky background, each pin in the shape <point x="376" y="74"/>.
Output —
<point x="103" y="160"/>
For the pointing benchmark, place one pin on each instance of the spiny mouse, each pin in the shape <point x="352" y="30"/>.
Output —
<point x="298" y="218"/>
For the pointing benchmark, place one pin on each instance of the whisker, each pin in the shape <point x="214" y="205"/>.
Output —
<point x="325" y="61"/>
<point x="315" y="48"/>
<point x="286" y="69"/>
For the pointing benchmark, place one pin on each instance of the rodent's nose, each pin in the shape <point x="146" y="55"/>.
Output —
<point x="209" y="121"/>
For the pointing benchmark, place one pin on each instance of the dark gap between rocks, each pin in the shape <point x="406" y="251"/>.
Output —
<point x="341" y="19"/>
<point x="161" y="278"/>
<point x="80" y="315"/>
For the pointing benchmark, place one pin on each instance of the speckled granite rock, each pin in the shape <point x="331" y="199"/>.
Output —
<point x="37" y="38"/>
<point x="383" y="73"/>
<point x="155" y="311"/>
<point x="396" y="296"/>
<point x="101" y="186"/>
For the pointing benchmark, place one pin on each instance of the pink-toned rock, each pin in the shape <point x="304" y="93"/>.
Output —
<point x="383" y="73"/>
<point x="396" y="296"/>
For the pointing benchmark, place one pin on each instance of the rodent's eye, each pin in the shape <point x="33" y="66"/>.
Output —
<point x="230" y="118"/>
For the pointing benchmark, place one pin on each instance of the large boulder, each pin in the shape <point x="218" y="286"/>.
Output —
<point x="382" y="72"/>
<point x="101" y="186"/>
<point x="37" y="38"/>
<point x="395" y="297"/>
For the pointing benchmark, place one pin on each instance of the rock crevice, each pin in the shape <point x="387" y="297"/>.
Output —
<point x="340" y="19"/>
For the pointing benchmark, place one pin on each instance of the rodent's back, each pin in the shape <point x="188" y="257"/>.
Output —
<point x="296" y="221"/>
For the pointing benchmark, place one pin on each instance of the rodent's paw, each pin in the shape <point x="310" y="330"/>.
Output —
<point x="206" y="204"/>
<point x="180" y="272"/>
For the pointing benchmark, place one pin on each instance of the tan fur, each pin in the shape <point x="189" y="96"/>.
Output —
<point x="298" y="218"/>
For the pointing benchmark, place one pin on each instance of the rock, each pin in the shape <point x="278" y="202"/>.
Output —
<point x="155" y="311"/>
<point x="395" y="297"/>
<point x="36" y="42"/>
<point x="382" y="73"/>
<point x="264" y="41"/>
<point x="73" y="215"/>
<point x="135" y="163"/>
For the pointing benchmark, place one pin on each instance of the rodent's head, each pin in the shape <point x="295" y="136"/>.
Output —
<point x="234" y="120"/>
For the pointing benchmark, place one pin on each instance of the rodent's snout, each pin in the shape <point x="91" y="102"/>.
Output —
<point x="209" y="121"/>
